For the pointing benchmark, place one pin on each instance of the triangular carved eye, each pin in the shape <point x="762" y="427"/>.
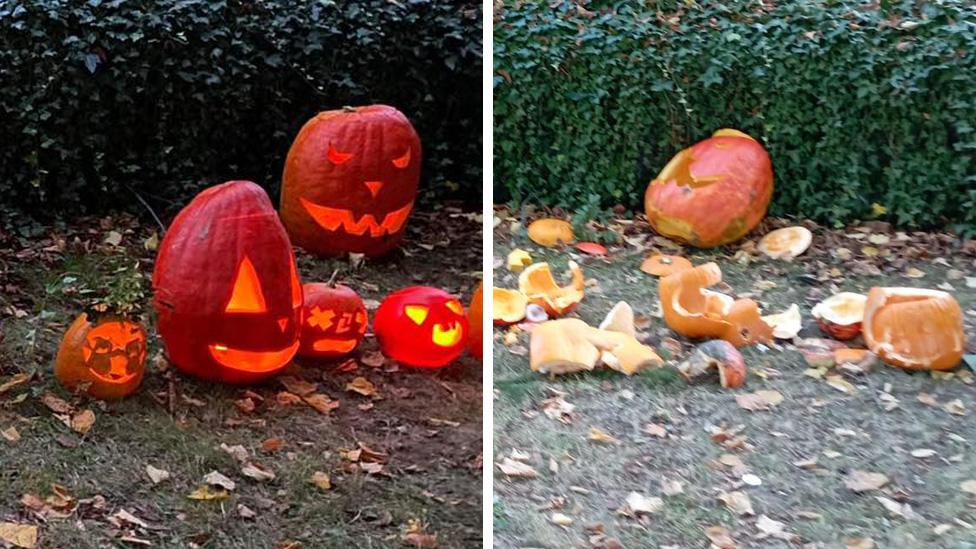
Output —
<point x="403" y="161"/>
<point x="247" y="296"/>
<point x="455" y="306"/>
<point x="417" y="313"/>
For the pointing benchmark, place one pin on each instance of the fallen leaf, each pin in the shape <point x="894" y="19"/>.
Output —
<point x="10" y="434"/>
<point x="514" y="468"/>
<point x="205" y="493"/>
<point x="322" y="403"/>
<point x="83" y="421"/>
<point x="298" y="386"/>
<point x="245" y="512"/>
<point x="14" y="381"/>
<point x="272" y="444"/>
<point x="768" y="527"/>
<point x="591" y="248"/>
<point x="927" y="399"/>
<point x="599" y="435"/>
<point x="18" y="535"/>
<point x="126" y="516"/>
<point x="157" y="475"/>
<point x="638" y="503"/>
<point x="561" y="519"/>
<point x="923" y="453"/>
<point x="322" y="480"/>
<point x="215" y="478"/>
<point x="760" y="400"/>
<point x="656" y="430"/>
<point x="56" y="404"/>
<point x="955" y="407"/>
<point x="672" y="488"/>
<point x="362" y="386"/>
<point x="913" y="272"/>
<point x="286" y="398"/>
<point x="968" y="486"/>
<point x="858" y="543"/>
<point x="864" y="481"/>
<point x="841" y="384"/>
<point x="902" y="510"/>
<point x="257" y="471"/>
<point x="113" y="238"/>
<point x="236" y="451"/>
<point x="738" y="502"/>
<point x="720" y="537"/>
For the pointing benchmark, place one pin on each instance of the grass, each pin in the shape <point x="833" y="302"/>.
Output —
<point x="427" y="422"/>
<point x="844" y="432"/>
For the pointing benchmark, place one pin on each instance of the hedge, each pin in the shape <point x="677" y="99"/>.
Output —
<point x="164" y="97"/>
<point x="865" y="110"/>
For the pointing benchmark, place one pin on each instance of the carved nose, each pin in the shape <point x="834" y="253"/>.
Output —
<point x="283" y="323"/>
<point x="374" y="187"/>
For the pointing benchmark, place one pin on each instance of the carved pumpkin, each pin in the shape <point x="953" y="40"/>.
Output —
<point x="334" y="320"/>
<point x="350" y="181"/>
<point x="507" y="306"/>
<point x="106" y="359"/>
<point x="694" y="311"/>
<point x="226" y="290"/>
<point x="914" y="328"/>
<point x="713" y="192"/>
<point x="421" y="326"/>
<point x="539" y="286"/>
<point x="840" y="315"/>
<point x="785" y="243"/>
<point x="475" y="314"/>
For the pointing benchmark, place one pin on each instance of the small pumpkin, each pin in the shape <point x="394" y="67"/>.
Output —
<point x="551" y="232"/>
<point x="475" y="319"/>
<point x="538" y="284"/>
<point x="507" y="306"/>
<point x="785" y="243"/>
<point x="713" y="192"/>
<point x="350" y="181"/>
<point x="421" y="326"/>
<point x="105" y="358"/>
<point x="692" y="310"/>
<point x="663" y="265"/>
<point x="914" y="328"/>
<point x="335" y="320"/>
<point x="715" y="356"/>
<point x="840" y="315"/>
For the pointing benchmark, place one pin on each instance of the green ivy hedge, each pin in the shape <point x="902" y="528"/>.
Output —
<point x="164" y="97"/>
<point x="856" y="105"/>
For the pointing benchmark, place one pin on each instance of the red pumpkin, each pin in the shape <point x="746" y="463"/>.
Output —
<point x="226" y="290"/>
<point x="421" y="326"/>
<point x="350" y="180"/>
<point x="335" y="320"/>
<point x="712" y="193"/>
<point x="106" y="358"/>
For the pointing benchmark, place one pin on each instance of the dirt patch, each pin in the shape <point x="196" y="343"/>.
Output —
<point x="427" y="424"/>
<point x="801" y="451"/>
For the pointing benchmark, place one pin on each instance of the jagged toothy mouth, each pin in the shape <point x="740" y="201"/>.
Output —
<point x="331" y="219"/>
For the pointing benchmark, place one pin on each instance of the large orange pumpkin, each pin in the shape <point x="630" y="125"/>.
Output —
<point x="712" y="193"/>
<point x="106" y="358"/>
<point x="350" y="181"/>
<point x="226" y="289"/>
<point x="914" y="328"/>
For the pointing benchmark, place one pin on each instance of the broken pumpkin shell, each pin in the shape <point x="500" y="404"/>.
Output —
<point x="914" y="328"/>
<point x="623" y="353"/>
<point x="840" y="315"/>
<point x="549" y="232"/>
<point x="785" y="243"/>
<point x="663" y="265"/>
<point x="592" y="248"/>
<point x="518" y="259"/>
<point x="620" y="319"/>
<point x="786" y="325"/>
<point x="692" y="310"/>
<point x="570" y="345"/>
<point x="507" y="306"/>
<point x="538" y="284"/>
<point x="716" y="355"/>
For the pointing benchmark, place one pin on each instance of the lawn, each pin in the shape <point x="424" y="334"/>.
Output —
<point x="396" y="466"/>
<point x="691" y="445"/>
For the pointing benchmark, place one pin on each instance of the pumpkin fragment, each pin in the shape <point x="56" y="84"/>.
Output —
<point x="914" y="328"/>
<point x="508" y="306"/>
<point x="840" y="315"/>
<point x="663" y="265"/>
<point x="518" y="259"/>
<point x="786" y="243"/>
<point x="786" y="325"/>
<point x="550" y="232"/>
<point x="591" y="248"/>
<point x="538" y="284"/>
<point x="716" y="355"/>
<point x="570" y="345"/>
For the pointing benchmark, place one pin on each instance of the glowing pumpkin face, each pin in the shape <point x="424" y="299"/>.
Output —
<point x="335" y="321"/>
<point x="225" y="287"/>
<point x="350" y="180"/>
<point x="107" y="358"/>
<point x="421" y="326"/>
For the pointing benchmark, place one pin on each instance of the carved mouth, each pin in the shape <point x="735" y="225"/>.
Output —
<point x="331" y="219"/>
<point x="252" y="361"/>
<point x="334" y="345"/>
<point x="447" y="335"/>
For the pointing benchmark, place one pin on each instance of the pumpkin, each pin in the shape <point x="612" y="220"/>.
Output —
<point x="105" y="358"/>
<point x="713" y="192"/>
<point x="421" y="326"/>
<point x="475" y="314"/>
<point x="225" y="287"/>
<point x="914" y="328"/>
<point x="518" y="259"/>
<point x="350" y="181"/>
<point x="663" y="265"/>
<point x="570" y="345"/>
<point x="786" y="325"/>
<point x="551" y="232"/>
<point x="785" y="243"/>
<point x="507" y="306"/>
<point x="692" y="310"/>
<point x="335" y="320"/>
<point x="716" y="355"/>
<point x="840" y="315"/>
<point x="537" y="283"/>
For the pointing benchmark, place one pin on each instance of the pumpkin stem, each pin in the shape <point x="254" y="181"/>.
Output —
<point x="347" y="108"/>
<point x="332" y="279"/>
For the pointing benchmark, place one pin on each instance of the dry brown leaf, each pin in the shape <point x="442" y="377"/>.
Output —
<point x="760" y="400"/>
<point x="272" y="444"/>
<point x="285" y="398"/>
<point x="216" y="478"/>
<point x="362" y="386"/>
<point x="83" y="421"/>
<point x="322" y="403"/>
<point x="841" y="384"/>
<point x="720" y="537"/>
<point x="768" y="527"/>
<point x="561" y="519"/>
<point x="902" y="510"/>
<point x="322" y="480"/>
<point x="656" y="430"/>
<point x="968" y="486"/>
<point x="15" y="380"/>
<point x="258" y="472"/>
<point x="955" y="407"/>
<point x="513" y="468"/>
<point x="858" y="543"/>
<point x="298" y="386"/>
<point x="864" y="481"/>
<point x="738" y="502"/>
<point x="638" y="503"/>
<point x="56" y="404"/>
<point x="157" y="475"/>
<point x="599" y="435"/>
<point x="18" y="535"/>
<point x="927" y="399"/>
<point x="236" y="451"/>
<point x="10" y="434"/>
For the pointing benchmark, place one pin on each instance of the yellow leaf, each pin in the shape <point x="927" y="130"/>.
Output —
<point x="18" y="535"/>
<point x="878" y="210"/>
<point x="206" y="493"/>
<point x="322" y="480"/>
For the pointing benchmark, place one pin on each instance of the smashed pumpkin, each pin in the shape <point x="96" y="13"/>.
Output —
<point x="550" y="232"/>
<point x="713" y="192"/>
<point x="694" y="311"/>
<point x="570" y="345"/>
<point x="786" y="325"/>
<point x="507" y="306"/>
<point x="715" y="356"/>
<point x="538" y="284"/>
<point x="786" y="243"/>
<point x="663" y="265"/>
<point x="914" y="328"/>
<point x="840" y="315"/>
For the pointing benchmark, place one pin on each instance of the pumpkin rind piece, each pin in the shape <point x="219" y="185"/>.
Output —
<point x="562" y="346"/>
<point x="785" y="243"/>
<point x="840" y="315"/>
<point x="663" y="265"/>
<point x="550" y="232"/>
<point x="507" y="306"/>
<point x="538" y="284"/>
<point x="913" y="328"/>
<point x="717" y="355"/>
<point x="786" y="325"/>
<point x="623" y="353"/>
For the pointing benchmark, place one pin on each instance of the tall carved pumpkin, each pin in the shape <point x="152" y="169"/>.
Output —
<point x="713" y="192"/>
<point x="226" y="290"/>
<point x="350" y="181"/>
<point x="105" y="358"/>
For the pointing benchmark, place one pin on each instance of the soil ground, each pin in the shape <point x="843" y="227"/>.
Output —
<point x="802" y="450"/>
<point x="428" y="424"/>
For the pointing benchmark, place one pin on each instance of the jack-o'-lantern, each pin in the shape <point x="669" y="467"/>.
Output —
<point x="713" y="192"/>
<point x="350" y="181"/>
<point x="106" y="358"/>
<point x="226" y="290"/>
<point x="475" y="314"/>
<point x="421" y="326"/>
<point x="335" y="320"/>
